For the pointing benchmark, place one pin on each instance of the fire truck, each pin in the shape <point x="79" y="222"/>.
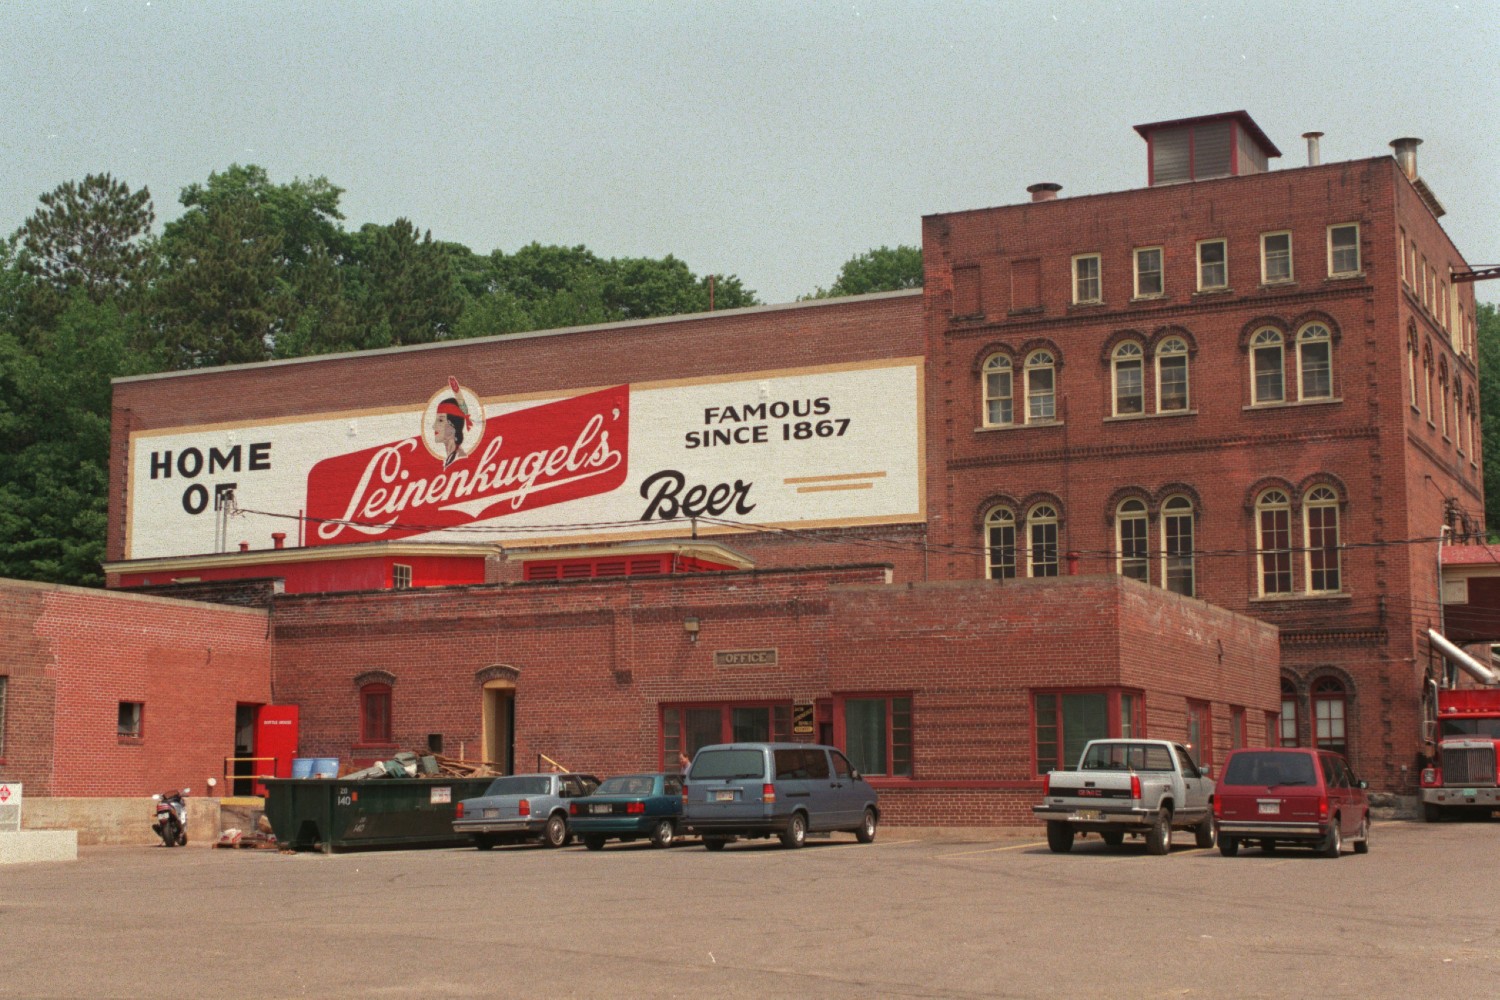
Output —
<point x="1461" y="728"/>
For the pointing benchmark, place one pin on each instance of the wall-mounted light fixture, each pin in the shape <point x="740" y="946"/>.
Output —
<point x="690" y="626"/>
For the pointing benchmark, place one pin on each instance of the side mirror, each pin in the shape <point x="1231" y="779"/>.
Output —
<point x="854" y="775"/>
<point x="1364" y="784"/>
<point x="1208" y="770"/>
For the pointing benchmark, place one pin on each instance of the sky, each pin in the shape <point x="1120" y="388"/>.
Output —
<point x="768" y="139"/>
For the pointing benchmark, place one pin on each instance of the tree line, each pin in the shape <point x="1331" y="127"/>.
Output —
<point x="255" y="270"/>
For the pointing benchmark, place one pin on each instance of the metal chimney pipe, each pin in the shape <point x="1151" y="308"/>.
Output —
<point x="1313" y="159"/>
<point x="1044" y="192"/>
<point x="1406" y="155"/>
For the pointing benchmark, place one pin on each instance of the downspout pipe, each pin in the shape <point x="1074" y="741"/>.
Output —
<point x="1467" y="663"/>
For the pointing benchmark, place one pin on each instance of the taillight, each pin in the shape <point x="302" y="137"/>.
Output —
<point x="1135" y="786"/>
<point x="635" y="808"/>
<point x="1047" y="784"/>
<point x="1323" y="808"/>
<point x="573" y="808"/>
<point x="523" y="808"/>
<point x="768" y="793"/>
<point x="1430" y="776"/>
<point x="458" y="813"/>
<point x="1218" y="808"/>
<point x="684" y="794"/>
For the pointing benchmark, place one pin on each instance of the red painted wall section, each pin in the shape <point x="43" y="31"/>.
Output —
<point x="317" y="576"/>
<point x="74" y="655"/>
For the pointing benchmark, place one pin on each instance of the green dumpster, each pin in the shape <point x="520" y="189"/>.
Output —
<point x="335" y="814"/>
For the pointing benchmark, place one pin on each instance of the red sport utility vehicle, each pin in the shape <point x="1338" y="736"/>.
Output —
<point x="1290" y="796"/>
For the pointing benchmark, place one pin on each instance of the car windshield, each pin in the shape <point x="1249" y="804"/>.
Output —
<point x="1472" y="727"/>
<point x="1269" y="769"/>
<point x="728" y="764"/>
<point x="630" y="784"/>
<point x="1127" y="757"/>
<point x="519" y="786"/>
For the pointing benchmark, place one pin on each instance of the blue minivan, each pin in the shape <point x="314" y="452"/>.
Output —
<point x="787" y="789"/>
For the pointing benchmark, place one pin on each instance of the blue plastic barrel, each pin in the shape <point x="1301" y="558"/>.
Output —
<point x="325" y="767"/>
<point x="302" y="767"/>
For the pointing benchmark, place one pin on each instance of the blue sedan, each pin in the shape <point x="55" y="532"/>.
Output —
<point x="629" y="807"/>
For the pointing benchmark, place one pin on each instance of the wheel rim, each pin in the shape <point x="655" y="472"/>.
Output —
<point x="869" y="823"/>
<point x="556" y="831"/>
<point x="664" y="833"/>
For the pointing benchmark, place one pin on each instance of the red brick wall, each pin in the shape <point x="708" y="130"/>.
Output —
<point x="73" y="655"/>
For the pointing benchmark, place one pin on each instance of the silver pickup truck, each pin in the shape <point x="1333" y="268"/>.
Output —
<point x="1144" y="788"/>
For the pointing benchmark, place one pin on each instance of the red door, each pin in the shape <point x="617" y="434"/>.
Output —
<point x="275" y="742"/>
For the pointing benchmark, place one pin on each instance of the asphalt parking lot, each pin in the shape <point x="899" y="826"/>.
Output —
<point x="970" y="914"/>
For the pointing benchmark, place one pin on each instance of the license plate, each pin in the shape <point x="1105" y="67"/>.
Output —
<point x="491" y="813"/>
<point x="1471" y="793"/>
<point x="599" y="809"/>
<point x="724" y="796"/>
<point x="1270" y="808"/>
<point x="1086" y="814"/>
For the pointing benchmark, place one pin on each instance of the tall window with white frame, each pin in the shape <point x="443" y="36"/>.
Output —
<point x="1000" y="544"/>
<point x="1267" y="370"/>
<point x="1129" y="379"/>
<point x="1133" y="559"/>
<point x="1275" y="258"/>
<point x="1041" y="387"/>
<point x="1314" y="362"/>
<point x="1213" y="265"/>
<point x="1287" y="734"/>
<point x="1343" y="250"/>
<point x="1172" y="375"/>
<point x="1273" y="518"/>
<point x="1178" y="556"/>
<point x="1320" y="519"/>
<point x="1411" y="365"/>
<point x="999" y="403"/>
<point x="1148" y="273"/>
<point x="1443" y="397"/>
<point x="1041" y="540"/>
<point x="1086" y="284"/>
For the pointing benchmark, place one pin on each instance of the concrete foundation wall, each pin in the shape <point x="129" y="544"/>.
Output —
<point x="117" y="820"/>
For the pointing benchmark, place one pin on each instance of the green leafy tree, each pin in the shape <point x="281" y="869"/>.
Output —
<point x="882" y="270"/>
<point x="409" y="289"/>
<point x="91" y="235"/>
<point x="1489" y="412"/>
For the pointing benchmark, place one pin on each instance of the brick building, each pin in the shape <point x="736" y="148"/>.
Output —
<point x="1169" y="460"/>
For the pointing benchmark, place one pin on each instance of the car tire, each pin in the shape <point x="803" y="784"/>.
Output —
<point x="593" y="842"/>
<point x="1159" y="836"/>
<point x="182" y="839"/>
<point x="663" y="833"/>
<point x="1113" y="838"/>
<point x="1362" y="845"/>
<point x="866" y="832"/>
<point x="484" y="841"/>
<point x="169" y="833"/>
<point x="1229" y="846"/>
<point x="714" y="843"/>
<point x="1432" y="812"/>
<point x="795" y="834"/>
<point x="1333" y="843"/>
<point x="555" y="833"/>
<point x="1205" y="835"/>
<point x="1059" y="837"/>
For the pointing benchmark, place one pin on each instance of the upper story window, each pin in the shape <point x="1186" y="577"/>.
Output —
<point x="1343" y="249"/>
<point x="1131" y="540"/>
<point x="1041" y="387"/>
<point x="1129" y="379"/>
<point x="1148" y="273"/>
<point x="999" y="404"/>
<point x="1411" y="364"/>
<point x="1178" y="566"/>
<point x="1041" y="538"/>
<point x="1320" y="519"/>
<point x="1273" y="529"/>
<point x="1171" y="375"/>
<point x="1086" y="286"/>
<point x="1267" y="375"/>
<point x="1314" y="362"/>
<point x="1000" y="544"/>
<point x="1275" y="258"/>
<point x="400" y="576"/>
<point x="1213" y="265"/>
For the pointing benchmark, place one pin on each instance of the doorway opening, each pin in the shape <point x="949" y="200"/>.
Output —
<point x="499" y="739"/>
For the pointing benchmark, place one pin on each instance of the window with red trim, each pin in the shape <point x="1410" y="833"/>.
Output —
<point x="1200" y="734"/>
<point x="375" y="713"/>
<point x="877" y="733"/>
<point x="1238" y="728"/>
<point x="1064" y="721"/>
<point x="1329" y="708"/>
<point x="687" y="728"/>
<point x="1288" y="723"/>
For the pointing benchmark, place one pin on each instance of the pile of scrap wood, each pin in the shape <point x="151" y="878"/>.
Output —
<point x="453" y="767"/>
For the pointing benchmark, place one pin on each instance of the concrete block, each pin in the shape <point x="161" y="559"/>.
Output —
<point x="38" y="845"/>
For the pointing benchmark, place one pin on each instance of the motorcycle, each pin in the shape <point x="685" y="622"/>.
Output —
<point x="171" y="817"/>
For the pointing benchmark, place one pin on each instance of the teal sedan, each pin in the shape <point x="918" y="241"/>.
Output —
<point x="629" y="807"/>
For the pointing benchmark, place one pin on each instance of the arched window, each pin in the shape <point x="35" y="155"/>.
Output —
<point x="1178" y="570"/>
<point x="1041" y="538"/>
<point x="1458" y="406"/>
<point x="1427" y="381"/>
<point x="1330" y="706"/>
<point x="1314" y="362"/>
<point x="1000" y="544"/>
<point x="1273" y="525"/>
<point x="1443" y="388"/>
<point x="1320" y="519"/>
<point x="1130" y="385"/>
<point x="375" y="713"/>
<point x="1133" y="558"/>
<point x="1041" y="388"/>
<point x="1411" y="364"/>
<point x="1267" y="373"/>
<point x="1171" y="375"/>
<point x="999" y="408"/>
<point x="1287" y="736"/>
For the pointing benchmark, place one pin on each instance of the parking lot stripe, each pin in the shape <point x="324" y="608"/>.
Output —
<point x="992" y="850"/>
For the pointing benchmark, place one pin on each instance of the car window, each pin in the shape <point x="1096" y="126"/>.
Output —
<point x="632" y="784"/>
<point x="791" y="765"/>
<point x="671" y="785"/>
<point x="518" y="786"/>
<point x="1332" y="776"/>
<point x="817" y="763"/>
<point x="570" y="788"/>
<point x="727" y="764"/>
<point x="1185" y="761"/>
<point x="841" y="767"/>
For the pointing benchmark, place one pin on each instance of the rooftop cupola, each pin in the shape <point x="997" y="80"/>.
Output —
<point x="1196" y="149"/>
